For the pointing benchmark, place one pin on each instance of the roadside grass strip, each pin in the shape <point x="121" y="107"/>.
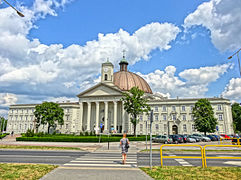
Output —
<point x="38" y="147"/>
<point x="24" y="171"/>
<point x="184" y="173"/>
<point x="193" y="150"/>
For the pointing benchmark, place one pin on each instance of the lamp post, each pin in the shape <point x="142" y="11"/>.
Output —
<point x="230" y="57"/>
<point x="18" y="12"/>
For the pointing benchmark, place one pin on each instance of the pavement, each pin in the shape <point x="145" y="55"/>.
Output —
<point x="113" y="171"/>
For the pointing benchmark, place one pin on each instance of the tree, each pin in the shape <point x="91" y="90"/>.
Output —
<point x="203" y="114"/>
<point x="48" y="113"/>
<point x="236" y="112"/>
<point x="3" y="124"/>
<point x="135" y="104"/>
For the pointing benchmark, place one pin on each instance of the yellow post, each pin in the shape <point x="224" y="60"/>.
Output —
<point x="161" y="156"/>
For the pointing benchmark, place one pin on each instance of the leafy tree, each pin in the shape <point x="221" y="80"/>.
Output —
<point x="3" y="124"/>
<point x="236" y="112"/>
<point x="48" y="113"/>
<point x="203" y="114"/>
<point x="135" y="104"/>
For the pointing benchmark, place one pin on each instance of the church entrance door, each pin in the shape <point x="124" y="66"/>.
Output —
<point x="174" y="129"/>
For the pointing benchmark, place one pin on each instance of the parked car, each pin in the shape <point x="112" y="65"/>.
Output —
<point x="184" y="137"/>
<point x="213" y="138"/>
<point x="155" y="139"/>
<point x="191" y="140"/>
<point x="206" y="139"/>
<point x="217" y="136"/>
<point x="162" y="139"/>
<point x="225" y="136"/>
<point x="198" y="139"/>
<point x="176" y="138"/>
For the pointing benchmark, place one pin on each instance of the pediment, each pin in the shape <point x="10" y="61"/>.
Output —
<point x="101" y="90"/>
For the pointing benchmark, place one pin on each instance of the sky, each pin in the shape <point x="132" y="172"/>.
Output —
<point x="180" y="48"/>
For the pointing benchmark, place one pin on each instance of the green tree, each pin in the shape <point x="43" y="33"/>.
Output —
<point x="236" y="112"/>
<point x="48" y="113"/>
<point x="3" y="124"/>
<point x="204" y="119"/>
<point x="135" y="104"/>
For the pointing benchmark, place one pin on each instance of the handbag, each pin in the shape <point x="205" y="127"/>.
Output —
<point x="127" y="145"/>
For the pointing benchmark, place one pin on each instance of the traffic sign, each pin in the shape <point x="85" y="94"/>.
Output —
<point x="101" y="125"/>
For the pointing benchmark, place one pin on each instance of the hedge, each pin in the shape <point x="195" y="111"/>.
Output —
<point x="3" y="135"/>
<point x="78" y="139"/>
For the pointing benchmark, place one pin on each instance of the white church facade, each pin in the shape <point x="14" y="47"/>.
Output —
<point x="100" y="109"/>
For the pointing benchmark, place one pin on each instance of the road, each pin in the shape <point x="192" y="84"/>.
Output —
<point x="109" y="159"/>
<point x="36" y="156"/>
<point x="143" y="160"/>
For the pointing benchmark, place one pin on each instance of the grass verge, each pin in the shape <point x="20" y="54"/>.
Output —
<point x="184" y="173"/>
<point x="24" y="171"/>
<point x="38" y="147"/>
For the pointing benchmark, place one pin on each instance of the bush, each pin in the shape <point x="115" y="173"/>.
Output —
<point x="66" y="138"/>
<point x="29" y="133"/>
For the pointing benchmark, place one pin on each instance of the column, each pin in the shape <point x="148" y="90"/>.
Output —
<point x="115" y="116"/>
<point x="123" y="118"/>
<point x="81" y="117"/>
<point x="97" y="115"/>
<point x="106" y="116"/>
<point x="88" y="116"/>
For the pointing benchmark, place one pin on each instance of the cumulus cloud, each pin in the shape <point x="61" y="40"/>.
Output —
<point x="30" y="68"/>
<point x="188" y="83"/>
<point x="7" y="99"/>
<point x="233" y="89"/>
<point x="222" y="18"/>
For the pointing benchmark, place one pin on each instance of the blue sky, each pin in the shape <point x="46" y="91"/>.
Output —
<point x="179" y="47"/>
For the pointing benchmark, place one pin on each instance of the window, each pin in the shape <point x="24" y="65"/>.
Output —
<point x="165" y="127"/>
<point x="20" y="126"/>
<point x="157" y="126"/>
<point x="27" y="110"/>
<point x="219" y="107"/>
<point x="191" y="107"/>
<point x="31" y="118"/>
<point x="184" y="117"/>
<point x="141" y="127"/>
<point x="164" y="117"/>
<point x="148" y="117"/>
<point x="193" y="127"/>
<point x="67" y="110"/>
<point x="183" y="108"/>
<point x="32" y="110"/>
<point x="106" y="77"/>
<point x="67" y="126"/>
<point x="164" y="108"/>
<point x="192" y="117"/>
<point x="31" y="126"/>
<point x="21" y="118"/>
<point x="17" y="110"/>
<point x="25" y="126"/>
<point x="141" y="118"/>
<point x="173" y="108"/>
<point x="156" y="108"/>
<point x="156" y="117"/>
<point x="22" y="110"/>
<point x="11" y="118"/>
<point x="149" y="126"/>
<point x="12" y="110"/>
<point x="174" y="117"/>
<point x="220" y="117"/>
<point x="184" y="127"/>
<point x="67" y="118"/>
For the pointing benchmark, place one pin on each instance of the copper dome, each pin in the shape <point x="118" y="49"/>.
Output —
<point x="126" y="80"/>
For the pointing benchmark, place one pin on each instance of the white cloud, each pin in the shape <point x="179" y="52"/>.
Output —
<point x="233" y="89"/>
<point x="7" y="99"/>
<point x="195" y="83"/>
<point x="222" y="18"/>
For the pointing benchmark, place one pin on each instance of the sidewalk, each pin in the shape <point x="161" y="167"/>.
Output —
<point x="97" y="173"/>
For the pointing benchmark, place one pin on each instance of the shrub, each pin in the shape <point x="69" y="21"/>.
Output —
<point x="29" y="133"/>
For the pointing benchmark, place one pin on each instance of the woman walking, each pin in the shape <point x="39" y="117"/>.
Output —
<point x="124" y="144"/>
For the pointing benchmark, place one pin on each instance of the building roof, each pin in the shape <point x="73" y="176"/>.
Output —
<point x="125" y="80"/>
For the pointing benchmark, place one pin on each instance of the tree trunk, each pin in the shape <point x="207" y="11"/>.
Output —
<point x="205" y="133"/>
<point x="48" y="128"/>
<point x="134" y="129"/>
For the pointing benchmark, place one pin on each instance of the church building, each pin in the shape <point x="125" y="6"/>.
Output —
<point x="100" y="109"/>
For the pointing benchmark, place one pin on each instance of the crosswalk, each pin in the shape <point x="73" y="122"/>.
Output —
<point x="103" y="159"/>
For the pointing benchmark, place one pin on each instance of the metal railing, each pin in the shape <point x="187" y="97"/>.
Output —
<point x="182" y="157"/>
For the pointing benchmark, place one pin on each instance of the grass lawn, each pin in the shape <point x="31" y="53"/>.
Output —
<point x="24" y="171"/>
<point x="187" y="173"/>
<point x="194" y="150"/>
<point x="37" y="147"/>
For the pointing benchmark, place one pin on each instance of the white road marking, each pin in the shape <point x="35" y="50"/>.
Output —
<point x="237" y="163"/>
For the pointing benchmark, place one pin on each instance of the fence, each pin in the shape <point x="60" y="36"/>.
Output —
<point x="203" y="156"/>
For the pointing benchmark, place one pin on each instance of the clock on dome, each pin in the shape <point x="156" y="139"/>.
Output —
<point x="106" y="69"/>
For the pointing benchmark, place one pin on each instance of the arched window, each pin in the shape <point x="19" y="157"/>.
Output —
<point x="106" y="77"/>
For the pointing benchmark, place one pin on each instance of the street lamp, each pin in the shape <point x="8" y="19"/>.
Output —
<point x="18" y="12"/>
<point x="230" y="57"/>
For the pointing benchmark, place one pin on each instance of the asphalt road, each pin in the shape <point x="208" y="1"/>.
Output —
<point x="42" y="157"/>
<point x="143" y="159"/>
